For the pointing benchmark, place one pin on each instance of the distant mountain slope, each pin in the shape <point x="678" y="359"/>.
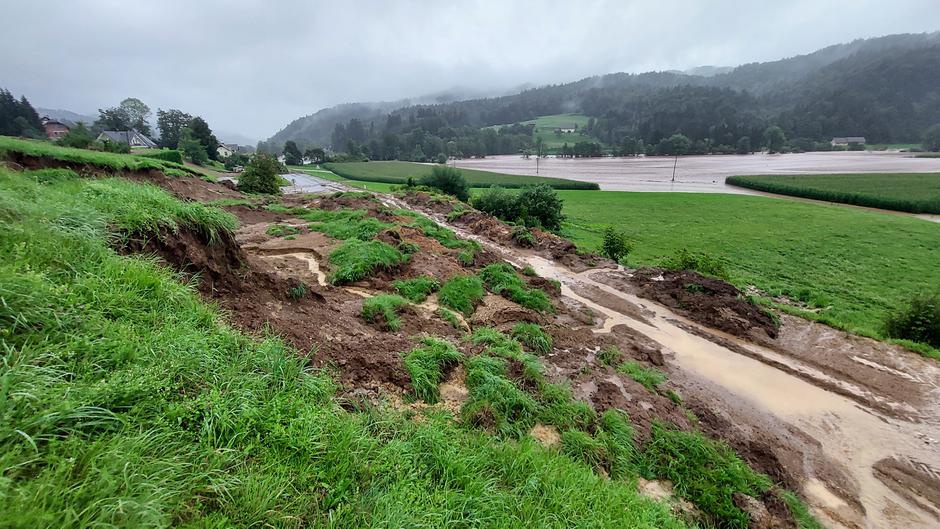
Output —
<point x="68" y="115"/>
<point x="883" y="88"/>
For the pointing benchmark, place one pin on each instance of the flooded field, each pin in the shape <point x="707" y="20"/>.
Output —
<point x="701" y="174"/>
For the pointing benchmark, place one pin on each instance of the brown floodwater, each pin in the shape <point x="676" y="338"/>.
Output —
<point x="700" y="174"/>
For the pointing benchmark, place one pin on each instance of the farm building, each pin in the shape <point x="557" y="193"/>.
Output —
<point x="848" y="140"/>
<point x="54" y="128"/>
<point x="131" y="137"/>
<point x="566" y="128"/>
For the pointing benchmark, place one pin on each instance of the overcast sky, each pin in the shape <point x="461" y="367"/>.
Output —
<point x="250" y="66"/>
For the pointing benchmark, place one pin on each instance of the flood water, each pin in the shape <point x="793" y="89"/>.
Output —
<point x="700" y="174"/>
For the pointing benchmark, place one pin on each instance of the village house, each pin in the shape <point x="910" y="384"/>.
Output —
<point x="133" y="138"/>
<point x="566" y="128"/>
<point x="55" y="129"/>
<point x="226" y="149"/>
<point x="848" y="140"/>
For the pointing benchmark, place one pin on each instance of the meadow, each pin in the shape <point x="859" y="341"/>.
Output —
<point x="850" y="267"/>
<point x="545" y="129"/>
<point x="911" y="192"/>
<point x="396" y="172"/>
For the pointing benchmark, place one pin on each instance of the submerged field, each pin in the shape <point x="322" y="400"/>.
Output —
<point x="395" y="172"/>
<point x="912" y="192"/>
<point x="849" y="267"/>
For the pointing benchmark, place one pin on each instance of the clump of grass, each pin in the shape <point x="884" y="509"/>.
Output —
<point x="523" y="236"/>
<point x="466" y="257"/>
<point x="355" y="260"/>
<point x="281" y="230"/>
<point x="408" y="248"/>
<point x="533" y="337"/>
<point x="494" y="401"/>
<point x="610" y="355"/>
<point x="426" y="364"/>
<point x="498" y="344"/>
<point x="344" y="223"/>
<point x="703" y="471"/>
<point x="461" y="293"/>
<point x="581" y="446"/>
<point x="387" y="306"/>
<point x="298" y="291"/>
<point x="502" y="279"/>
<point x="529" y="271"/>
<point x="559" y="408"/>
<point x="649" y="377"/>
<point x="449" y="317"/>
<point x="418" y="289"/>
<point x="617" y="434"/>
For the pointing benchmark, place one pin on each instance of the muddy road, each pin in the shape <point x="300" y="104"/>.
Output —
<point x="856" y="421"/>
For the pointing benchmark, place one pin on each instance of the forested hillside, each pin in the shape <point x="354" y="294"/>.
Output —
<point x="886" y="89"/>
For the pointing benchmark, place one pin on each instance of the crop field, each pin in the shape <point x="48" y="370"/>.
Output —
<point x="852" y="266"/>
<point x="396" y="172"/>
<point x="912" y="192"/>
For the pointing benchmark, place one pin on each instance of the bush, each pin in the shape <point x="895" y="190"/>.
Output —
<point x="523" y="236"/>
<point x="918" y="321"/>
<point x="540" y="205"/>
<point x="118" y="147"/>
<point x="461" y="293"/>
<point x="260" y="176"/>
<point x="615" y="245"/>
<point x="355" y="260"/>
<point x="448" y="180"/>
<point x="78" y="137"/>
<point x="386" y="305"/>
<point x="417" y="289"/>
<point x="697" y="262"/>
<point x="498" y="202"/>
<point x="167" y="155"/>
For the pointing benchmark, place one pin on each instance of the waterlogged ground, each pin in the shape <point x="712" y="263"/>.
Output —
<point x="700" y="174"/>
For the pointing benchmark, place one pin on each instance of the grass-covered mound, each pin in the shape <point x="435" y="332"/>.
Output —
<point x="128" y="402"/>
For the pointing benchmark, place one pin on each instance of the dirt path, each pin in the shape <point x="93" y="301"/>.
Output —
<point x="858" y="420"/>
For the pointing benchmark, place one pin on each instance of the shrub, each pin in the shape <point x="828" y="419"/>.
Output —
<point x="386" y="305"/>
<point x="540" y="205"/>
<point x="523" y="236"/>
<point x="615" y="245"/>
<point x="498" y="202"/>
<point x="461" y="293"/>
<point x="448" y="180"/>
<point x="118" y="147"/>
<point x="426" y="367"/>
<point x="699" y="262"/>
<point x="261" y="175"/>
<point x="918" y="321"/>
<point x="417" y="289"/>
<point x="533" y="337"/>
<point x="78" y="137"/>
<point x="167" y="155"/>
<point x="356" y="259"/>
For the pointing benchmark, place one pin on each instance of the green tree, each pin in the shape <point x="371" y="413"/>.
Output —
<point x="774" y="139"/>
<point x="932" y="138"/>
<point x="540" y="205"/>
<point x="260" y="175"/>
<point x="115" y="118"/>
<point x="744" y="145"/>
<point x="18" y="118"/>
<point x="78" y="137"/>
<point x="615" y="245"/>
<point x="138" y="114"/>
<point x="204" y="134"/>
<point x="170" y="122"/>
<point x="315" y="155"/>
<point x="677" y="144"/>
<point x="191" y="147"/>
<point x="292" y="154"/>
<point x="448" y="180"/>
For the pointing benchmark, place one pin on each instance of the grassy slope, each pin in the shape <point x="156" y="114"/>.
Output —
<point x="913" y="192"/>
<point x="545" y="129"/>
<point x="128" y="402"/>
<point x="859" y="264"/>
<point x="396" y="172"/>
<point x="96" y="158"/>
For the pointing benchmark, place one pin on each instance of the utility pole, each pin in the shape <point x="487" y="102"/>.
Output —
<point x="674" y="164"/>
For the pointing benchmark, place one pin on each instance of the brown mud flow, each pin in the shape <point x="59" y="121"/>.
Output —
<point x="856" y="421"/>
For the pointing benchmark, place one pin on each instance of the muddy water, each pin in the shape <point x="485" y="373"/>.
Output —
<point x="850" y="434"/>
<point x="312" y="264"/>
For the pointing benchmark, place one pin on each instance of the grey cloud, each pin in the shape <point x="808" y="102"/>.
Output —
<point x="250" y="66"/>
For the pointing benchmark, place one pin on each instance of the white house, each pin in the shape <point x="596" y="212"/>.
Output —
<point x="566" y="128"/>
<point x="131" y="137"/>
<point x="226" y="150"/>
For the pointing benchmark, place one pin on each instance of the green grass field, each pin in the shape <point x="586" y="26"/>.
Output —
<point x="912" y="192"/>
<point x="545" y="128"/>
<point x="854" y="265"/>
<point x="96" y="158"/>
<point x="396" y="172"/>
<point x="325" y="174"/>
